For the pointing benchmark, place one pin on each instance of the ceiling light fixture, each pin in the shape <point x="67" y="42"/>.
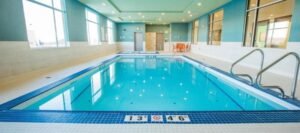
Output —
<point x="103" y="4"/>
<point x="191" y="15"/>
<point x="163" y="14"/>
<point x="183" y="20"/>
<point x="189" y="12"/>
<point x="143" y="16"/>
<point x="199" y="4"/>
<point x="140" y="13"/>
<point x="113" y="12"/>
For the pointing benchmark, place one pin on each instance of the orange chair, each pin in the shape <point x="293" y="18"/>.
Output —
<point x="180" y="47"/>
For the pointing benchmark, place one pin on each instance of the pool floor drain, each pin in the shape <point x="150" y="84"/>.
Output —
<point x="48" y="77"/>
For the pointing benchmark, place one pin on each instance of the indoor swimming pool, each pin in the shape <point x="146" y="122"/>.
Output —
<point x="153" y="83"/>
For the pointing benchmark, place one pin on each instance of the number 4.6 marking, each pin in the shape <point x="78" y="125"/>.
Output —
<point x="178" y="118"/>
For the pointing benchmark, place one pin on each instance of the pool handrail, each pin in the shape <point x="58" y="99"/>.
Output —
<point x="243" y="57"/>
<point x="294" y="87"/>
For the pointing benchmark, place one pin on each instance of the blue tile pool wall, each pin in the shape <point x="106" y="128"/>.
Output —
<point x="209" y="117"/>
<point x="196" y="117"/>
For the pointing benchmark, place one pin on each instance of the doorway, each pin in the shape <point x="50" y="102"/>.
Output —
<point x="160" y="40"/>
<point x="154" y="41"/>
<point x="138" y="41"/>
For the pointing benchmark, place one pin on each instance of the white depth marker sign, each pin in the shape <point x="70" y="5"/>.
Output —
<point x="136" y="118"/>
<point x="178" y="118"/>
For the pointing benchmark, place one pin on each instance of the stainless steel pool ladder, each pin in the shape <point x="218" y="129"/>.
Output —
<point x="242" y="58"/>
<point x="294" y="87"/>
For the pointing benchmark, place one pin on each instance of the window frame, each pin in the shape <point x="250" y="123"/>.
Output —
<point x="211" y="22"/>
<point x="53" y="9"/>
<point x="87" y="10"/>
<point x="256" y="15"/>
<point x="195" y="29"/>
<point x="107" y="31"/>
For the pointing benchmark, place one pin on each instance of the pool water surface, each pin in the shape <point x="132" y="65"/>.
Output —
<point x="148" y="83"/>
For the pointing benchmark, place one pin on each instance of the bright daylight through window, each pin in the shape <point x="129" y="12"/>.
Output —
<point x="268" y="23"/>
<point x="110" y="32"/>
<point x="45" y="23"/>
<point x="92" y="27"/>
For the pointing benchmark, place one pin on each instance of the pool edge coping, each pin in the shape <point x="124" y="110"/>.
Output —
<point x="4" y="108"/>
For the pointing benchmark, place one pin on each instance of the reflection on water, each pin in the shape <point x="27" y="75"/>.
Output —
<point x="148" y="84"/>
<point x="60" y="102"/>
<point x="96" y="87"/>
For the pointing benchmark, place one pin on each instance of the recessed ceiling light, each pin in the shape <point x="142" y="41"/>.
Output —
<point x="103" y="4"/>
<point x="129" y="16"/>
<point x="140" y="13"/>
<point x="199" y="4"/>
<point x="189" y="12"/>
<point x="162" y="13"/>
<point x="143" y="16"/>
<point x="191" y="15"/>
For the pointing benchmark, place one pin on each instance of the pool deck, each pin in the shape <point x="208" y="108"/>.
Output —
<point x="14" y="87"/>
<point x="149" y="128"/>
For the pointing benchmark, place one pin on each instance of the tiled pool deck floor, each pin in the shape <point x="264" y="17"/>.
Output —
<point x="148" y="128"/>
<point x="111" y="121"/>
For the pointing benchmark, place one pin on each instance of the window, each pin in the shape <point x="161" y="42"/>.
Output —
<point x="268" y="23"/>
<point x="92" y="27"/>
<point x="45" y="23"/>
<point x="195" y="32"/>
<point x="215" y="28"/>
<point x="110" y="36"/>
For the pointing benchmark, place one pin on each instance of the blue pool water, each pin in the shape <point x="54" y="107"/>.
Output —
<point x="148" y="83"/>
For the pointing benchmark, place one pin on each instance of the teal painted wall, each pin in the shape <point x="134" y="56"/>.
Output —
<point x="12" y="22"/>
<point x="179" y="32"/>
<point x="234" y="20"/>
<point x="190" y="30"/>
<point x="295" y="30"/>
<point x="203" y="29"/>
<point x="125" y="31"/>
<point x="76" y="21"/>
<point x="161" y="29"/>
<point x="103" y="24"/>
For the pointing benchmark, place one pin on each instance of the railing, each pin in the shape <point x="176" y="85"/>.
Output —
<point x="242" y="58"/>
<point x="294" y="87"/>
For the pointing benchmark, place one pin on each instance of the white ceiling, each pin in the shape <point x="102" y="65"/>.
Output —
<point x="154" y="11"/>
